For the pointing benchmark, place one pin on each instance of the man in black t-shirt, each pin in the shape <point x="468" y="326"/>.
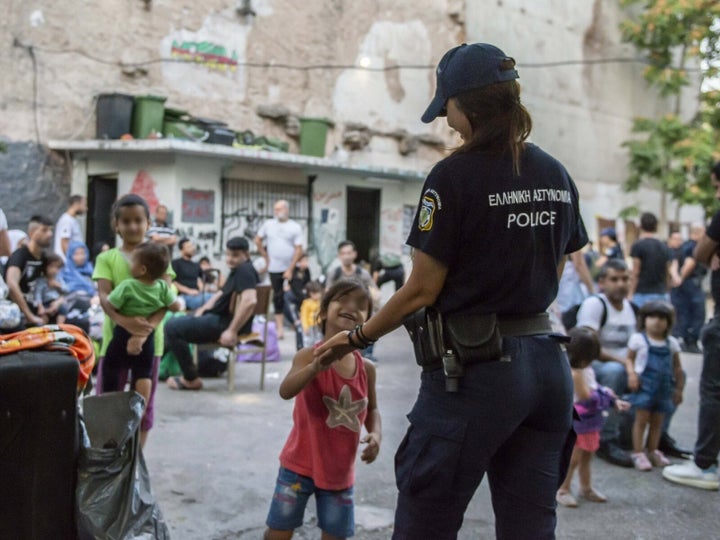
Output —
<point x="188" y="280"/>
<point x="651" y="264"/>
<point x="702" y="471"/>
<point x="225" y="315"/>
<point x="25" y="265"/>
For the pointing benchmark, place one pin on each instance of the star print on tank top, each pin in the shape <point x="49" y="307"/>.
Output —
<point x="328" y="417"/>
<point x="344" y="411"/>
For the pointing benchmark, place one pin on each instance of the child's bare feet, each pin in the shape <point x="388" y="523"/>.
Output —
<point x="135" y="344"/>
<point x="593" y="496"/>
<point x="565" y="498"/>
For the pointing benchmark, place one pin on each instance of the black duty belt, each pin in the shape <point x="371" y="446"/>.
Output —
<point x="511" y="326"/>
<point x="524" y="325"/>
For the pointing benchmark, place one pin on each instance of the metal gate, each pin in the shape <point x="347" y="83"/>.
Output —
<point x="246" y="204"/>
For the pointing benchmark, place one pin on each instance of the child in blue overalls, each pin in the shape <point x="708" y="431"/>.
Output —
<point x="656" y="379"/>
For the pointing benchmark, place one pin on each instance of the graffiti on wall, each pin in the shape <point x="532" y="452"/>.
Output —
<point x="144" y="185"/>
<point x="407" y="220"/>
<point x="244" y="222"/>
<point x="207" y="53"/>
<point x="326" y="235"/>
<point x="205" y="240"/>
<point x="391" y="240"/>
<point x="198" y="206"/>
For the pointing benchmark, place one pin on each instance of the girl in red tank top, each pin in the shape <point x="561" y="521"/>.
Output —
<point x="332" y="403"/>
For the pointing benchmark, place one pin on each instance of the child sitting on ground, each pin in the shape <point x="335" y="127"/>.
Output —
<point x="309" y="310"/>
<point x="49" y="290"/>
<point x="656" y="379"/>
<point x="332" y="402"/>
<point x="141" y="296"/>
<point x="590" y="402"/>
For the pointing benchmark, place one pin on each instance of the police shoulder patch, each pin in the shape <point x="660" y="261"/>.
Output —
<point x="429" y="204"/>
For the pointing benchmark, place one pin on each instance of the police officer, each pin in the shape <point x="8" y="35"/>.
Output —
<point x="495" y="221"/>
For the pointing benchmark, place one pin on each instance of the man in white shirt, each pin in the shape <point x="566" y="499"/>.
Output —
<point x="4" y="238"/>
<point x="67" y="228"/>
<point x="280" y="242"/>
<point x="612" y="316"/>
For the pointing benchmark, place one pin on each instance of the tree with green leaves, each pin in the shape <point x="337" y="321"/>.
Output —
<point x="680" y="42"/>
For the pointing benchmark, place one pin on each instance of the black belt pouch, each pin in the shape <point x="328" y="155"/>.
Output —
<point x="474" y="338"/>
<point x="425" y="329"/>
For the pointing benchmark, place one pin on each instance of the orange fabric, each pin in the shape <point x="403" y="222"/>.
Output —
<point x="54" y="337"/>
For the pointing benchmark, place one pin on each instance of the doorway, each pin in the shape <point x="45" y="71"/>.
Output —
<point x="102" y="193"/>
<point x="363" y="220"/>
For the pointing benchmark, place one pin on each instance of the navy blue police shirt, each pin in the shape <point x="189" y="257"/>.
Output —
<point x="713" y="232"/>
<point x="501" y="236"/>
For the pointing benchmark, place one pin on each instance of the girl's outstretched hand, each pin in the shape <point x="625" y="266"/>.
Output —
<point x="622" y="405"/>
<point x="372" y="449"/>
<point x="333" y="349"/>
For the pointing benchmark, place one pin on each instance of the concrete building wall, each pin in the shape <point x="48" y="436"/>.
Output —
<point x="208" y="59"/>
<point x="582" y="113"/>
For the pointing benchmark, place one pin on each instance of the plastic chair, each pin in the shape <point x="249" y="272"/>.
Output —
<point x="254" y="342"/>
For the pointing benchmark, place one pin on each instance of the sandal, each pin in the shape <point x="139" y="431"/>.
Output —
<point x="658" y="459"/>
<point x="566" y="499"/>
<point x="593" y="496"/>
<point x="641" y="462"/>
<point x="176" y="383"/>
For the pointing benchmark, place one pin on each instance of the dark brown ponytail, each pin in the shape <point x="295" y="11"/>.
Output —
<point x="499" y="121"/>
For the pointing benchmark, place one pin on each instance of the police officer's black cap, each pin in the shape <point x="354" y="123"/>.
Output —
<point x="467" y="67"/>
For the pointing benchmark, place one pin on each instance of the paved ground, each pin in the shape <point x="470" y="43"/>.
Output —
<point x="213" y="460"/>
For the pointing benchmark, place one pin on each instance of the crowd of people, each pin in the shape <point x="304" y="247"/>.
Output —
<point x="497" y="390"/>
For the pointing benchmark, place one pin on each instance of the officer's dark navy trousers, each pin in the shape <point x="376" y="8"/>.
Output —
<point x="707" y="446"/>
<point x="510" y="419"/>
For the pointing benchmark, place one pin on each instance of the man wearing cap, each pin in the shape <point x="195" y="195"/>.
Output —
<point x="495" y="222"/>
<point x="227" y="314"/>
<point x="609" y="247"/>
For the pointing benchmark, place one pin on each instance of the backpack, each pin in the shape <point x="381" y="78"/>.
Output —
<point x="569" y="317"/>
<point x="338" y="272"/>
<point x="54" y="337"/>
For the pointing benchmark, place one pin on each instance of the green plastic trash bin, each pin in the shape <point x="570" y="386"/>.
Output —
<point x="313" y="135"/>
<point x="148" y="116"/>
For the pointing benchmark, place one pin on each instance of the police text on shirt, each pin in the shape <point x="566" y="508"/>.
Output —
<point x="524" y="196"/>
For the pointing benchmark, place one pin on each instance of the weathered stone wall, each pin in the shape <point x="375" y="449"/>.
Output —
<point x="71" y="51"/>
<point x="33" y="181"/>
<point x="84" y="48"/>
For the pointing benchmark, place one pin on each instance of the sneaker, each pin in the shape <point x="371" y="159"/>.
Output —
<point x="669" y="447"/>
<point x="612" y="453"/>
<point x="658" y="459"/>
<point x="689" y="474"/>
<point x="641" y="462"/>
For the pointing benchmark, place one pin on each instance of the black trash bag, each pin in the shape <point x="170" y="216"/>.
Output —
<point x="113" y="495"/>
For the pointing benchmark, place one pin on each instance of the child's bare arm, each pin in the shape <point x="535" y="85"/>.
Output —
<point x="679" y="379"/>
<point x="582" y="391"/>
<point x="373" y="421"/>
<point x="304" y="368"/>
<point x="633" y="380"/>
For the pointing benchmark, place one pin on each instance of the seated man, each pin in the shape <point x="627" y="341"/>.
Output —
<point x="25" y="265"/>
<point x="611" y="315"/>
<point x="189" y="281"/>
<point x="228" y="313"/>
